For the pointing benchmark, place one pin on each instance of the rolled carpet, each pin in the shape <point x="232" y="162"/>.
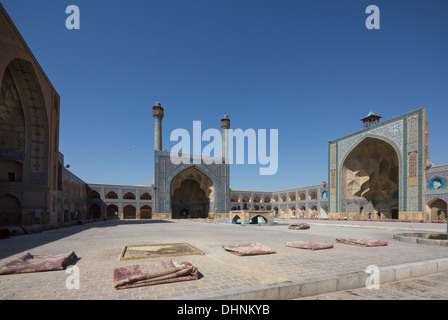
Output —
<point x="363" y="242"/>
<point x="16" y="231"/>
<point x="37" y="263"/>
<point x="249" y="249"/>
<point x="299" y="226"/>
<point x="153" y="273"/>
<point x="33" y="228"/>
<point x="310" y="245"/>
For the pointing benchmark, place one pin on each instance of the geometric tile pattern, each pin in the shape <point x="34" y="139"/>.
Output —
<point x="405" y="134"/>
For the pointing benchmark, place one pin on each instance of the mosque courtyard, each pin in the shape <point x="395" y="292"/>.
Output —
<point x="289" y="273"/>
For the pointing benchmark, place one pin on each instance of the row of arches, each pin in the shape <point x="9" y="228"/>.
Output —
<point x="63" y="209"/>
<point x="68" y="208"/>
<point x="302" y="211"/>
<point x="311" y="211"/>
<point x="113" y="195"/>
<point x="112" y="211"/>
<point x="73" y="188"/>
<point x="301" y="196"/>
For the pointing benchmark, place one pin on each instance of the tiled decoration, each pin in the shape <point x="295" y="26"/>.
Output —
<point x="436" y="183"/>
<point x="405" y="134"/>
<point x="165" y="171"/>
<point x="37" y="127"/>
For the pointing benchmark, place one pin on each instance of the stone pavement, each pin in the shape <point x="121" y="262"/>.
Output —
<point x="430" y="287"/>
<point x="289" y="274"/>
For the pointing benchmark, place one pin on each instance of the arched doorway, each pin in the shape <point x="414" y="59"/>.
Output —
<point x="191" y="194"/>
<point x="95" y="211"/>
<point x="129" y="212"/>
<point x="111" y="211"/>
<point x="370" y="175"/>
<point x="292" y="211"/>
<point x="10" y="210"/>
<point x="10" y="171"/>
<point x="313" y="211"/>
<point x="146" y="212"/>
<point x="438" y="209"/>
<point x="259" y="219"/>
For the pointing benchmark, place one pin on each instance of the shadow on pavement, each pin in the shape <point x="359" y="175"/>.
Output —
<point x="24" y="242"/>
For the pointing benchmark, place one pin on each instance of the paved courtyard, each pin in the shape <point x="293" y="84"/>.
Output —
<point x="429" y="287"/>
<point x="222" y="274"/>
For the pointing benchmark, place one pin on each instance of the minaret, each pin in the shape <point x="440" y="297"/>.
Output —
<point x="225" y="125"/>
<point x="157" y="113"/>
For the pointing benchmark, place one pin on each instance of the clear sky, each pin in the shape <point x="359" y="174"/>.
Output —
<point x="310" y="69"/>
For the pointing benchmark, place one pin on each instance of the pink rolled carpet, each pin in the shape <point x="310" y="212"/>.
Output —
<point x="154" y="273"/>
<point x="299" y="226"/>
<point x="363" y="242"/>
<point x="310" y="245"/>
<point x="37" y="263"/>
<point x="33" y="228"/>
<point x="249" y="249"/>
<point x="16" y="231"/>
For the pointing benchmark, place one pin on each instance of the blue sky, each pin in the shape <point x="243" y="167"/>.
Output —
<point x="310" y="69"/>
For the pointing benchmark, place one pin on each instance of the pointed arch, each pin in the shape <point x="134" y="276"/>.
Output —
<point x="214" y="206"/>
<point x="235" y="198"/>
<point x="111" y="211"/>
<point x="33" y="138"/>
<point x="111" y="195"/>
<point x="370" y="170"/>
<point x="93" y="194"/>
<point x="145" y="196"/>
<point x="146" y="212"/>
<point x="129" y="212"/>
<point x="10" y="210"/>
<point x="191" y="194"/>
<point x="129" y="196"/>
<point x="437" y="209"/>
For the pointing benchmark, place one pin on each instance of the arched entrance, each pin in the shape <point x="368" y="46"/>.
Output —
<point x="111" y="211"/>
<point x="313" y="211"/>
<point x="191" y="194"/>
<point x="370" y="178"/>
<point x="10" y="210"/>
<point x="146" y="212"/>
<point x="438" y="209"/>
<point x="95" y="211"/>
<point x="323" y="210"/>
<point x="259" y="219"/>
<point x="129" y="212"/>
